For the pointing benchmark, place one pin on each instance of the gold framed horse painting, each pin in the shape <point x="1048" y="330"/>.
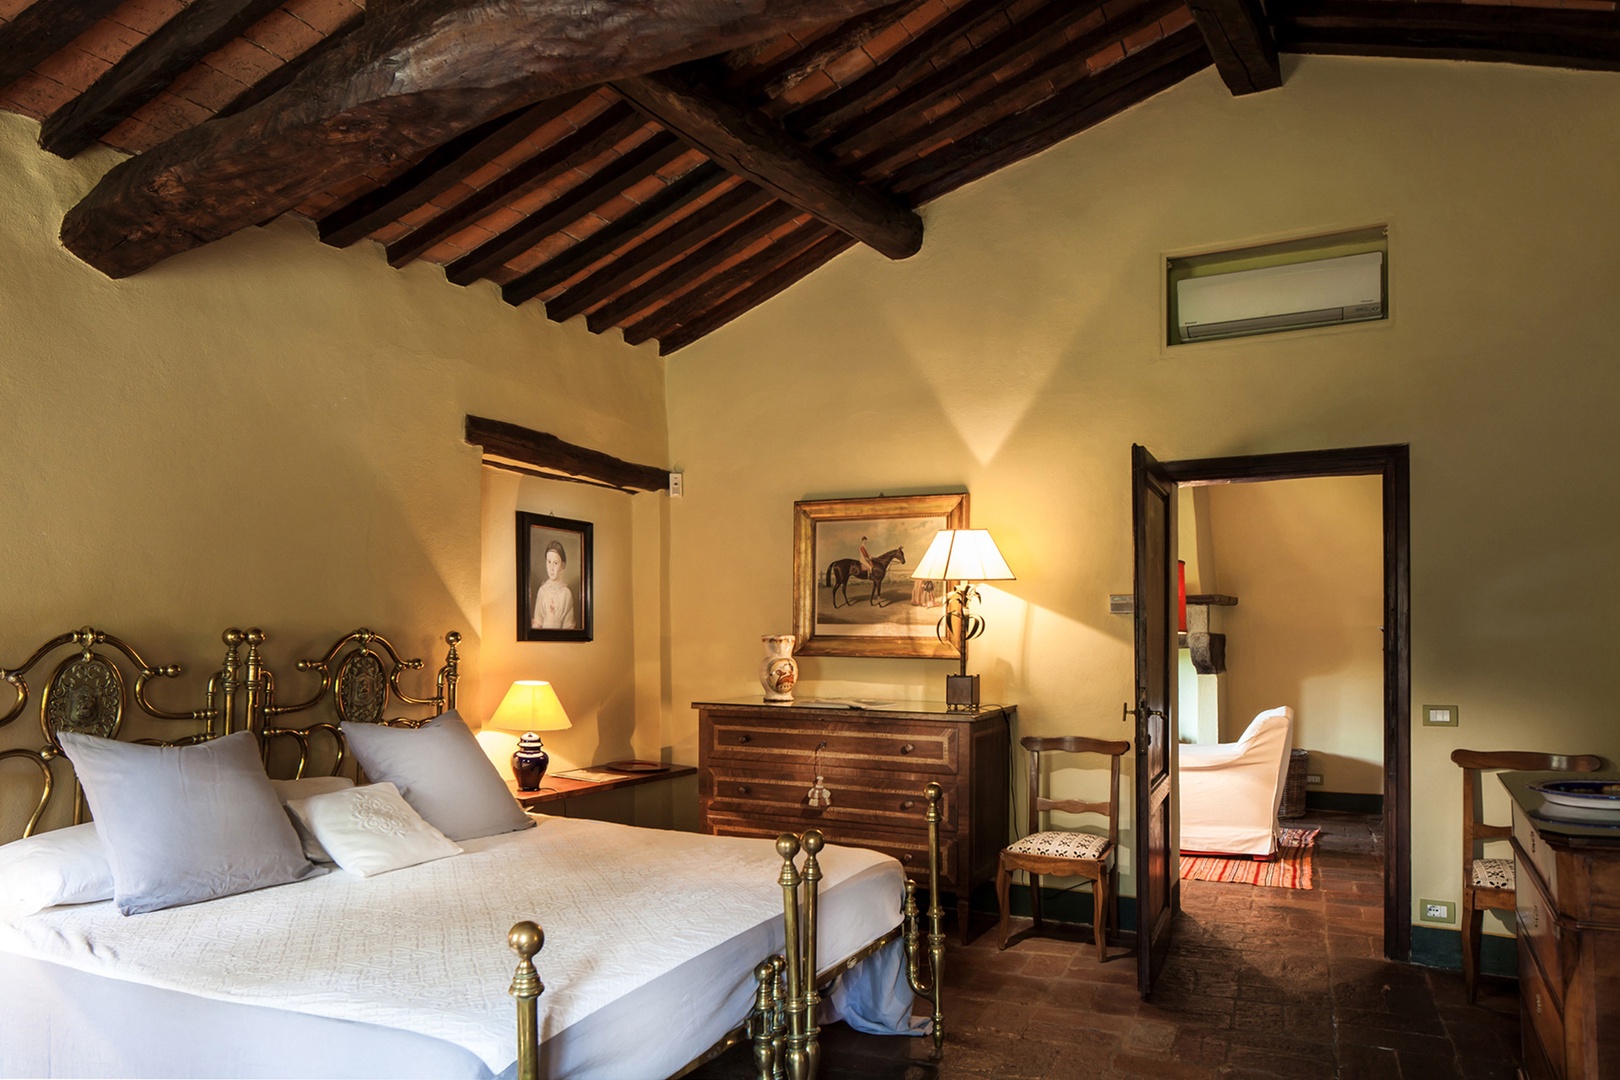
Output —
<point x="853" y="594"/>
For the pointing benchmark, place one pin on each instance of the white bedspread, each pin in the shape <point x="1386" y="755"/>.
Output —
<point x="423" y="949"/>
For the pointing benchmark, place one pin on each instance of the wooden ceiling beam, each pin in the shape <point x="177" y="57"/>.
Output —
<point x="1546" y="37"/>
<point x="608" y="128"/>
<point x="691" y="268"/>
<point x="437" y="173"/>
<point x="606" y="183"/>
<point x="790" y="72"/>
<point x="424" y="73"/>
<point x="42" y="28"/>
<point x="651" y="253"/>
<point x="1088" y="102"/>
<point x="755" y="147"/>
<point x="1037" y="30"/>
<point x="1241" y="42"/>
<point x="147" y="70"/>
<point x="288" y="71"/>
<point x="917" y="56"/>
<point x="697" y="270"/>
<point x="755" y="294"/>
<point x="1023" y="89"/>
<point x="641" y="221"/>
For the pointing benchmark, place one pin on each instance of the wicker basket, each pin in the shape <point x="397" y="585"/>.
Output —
<point x="1293" y="800"/>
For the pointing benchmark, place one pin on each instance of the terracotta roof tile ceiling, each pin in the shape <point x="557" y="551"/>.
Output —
<point x="620" y="204"/>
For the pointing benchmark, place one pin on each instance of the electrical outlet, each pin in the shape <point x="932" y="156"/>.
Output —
<point x="1439" y="911"/>
<point x="677" y="485"/>
<point x="1313" y="778"/>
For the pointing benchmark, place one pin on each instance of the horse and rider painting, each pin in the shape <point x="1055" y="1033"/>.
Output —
<point x="853" y="590"/>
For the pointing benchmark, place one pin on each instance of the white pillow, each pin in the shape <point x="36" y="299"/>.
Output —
<point x="181" y="824"/>
<point x="442" y="772"/>
<point x="67" y="866"/>
<point x="371" y="830"/>
<point x="303" y="788"/>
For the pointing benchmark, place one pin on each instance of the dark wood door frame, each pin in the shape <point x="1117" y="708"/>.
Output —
<point x="1392" y="464"/>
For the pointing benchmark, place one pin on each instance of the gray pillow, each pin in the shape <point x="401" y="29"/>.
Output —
<point x="442" y="773"/>
<point x="187" y="823"/>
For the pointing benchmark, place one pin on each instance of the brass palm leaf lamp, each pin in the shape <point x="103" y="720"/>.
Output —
<point x="964" y="556"/>
<point x="530" y="706"/>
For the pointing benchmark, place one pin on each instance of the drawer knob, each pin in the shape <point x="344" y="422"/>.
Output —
<point x="906" y="857"/>
<point x="908" y="804"/>
<point x="742" y="738"/>
<point x="743" y="789"/>
<point x="907" y="748"/>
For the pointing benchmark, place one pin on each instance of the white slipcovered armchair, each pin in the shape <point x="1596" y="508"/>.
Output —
<point x="1230" y="793"/>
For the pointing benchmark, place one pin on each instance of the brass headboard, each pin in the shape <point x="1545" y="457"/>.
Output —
<point x="88" y="691"/>
<point x="360" y="677"/>
<point x="101" y="682"/>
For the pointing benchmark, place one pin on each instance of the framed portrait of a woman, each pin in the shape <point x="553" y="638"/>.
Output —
<point x="553" y="578"/>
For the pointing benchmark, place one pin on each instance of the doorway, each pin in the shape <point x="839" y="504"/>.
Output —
<point x="1391" y="465"/>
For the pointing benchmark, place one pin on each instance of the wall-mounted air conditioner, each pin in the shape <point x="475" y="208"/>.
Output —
<point x="1348" y="288"/>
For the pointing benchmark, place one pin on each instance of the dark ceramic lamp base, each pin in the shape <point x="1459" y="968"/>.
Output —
<point x="529" y="763"/>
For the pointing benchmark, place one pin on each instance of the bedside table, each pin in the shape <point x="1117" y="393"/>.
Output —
<point x="561" y="789"/>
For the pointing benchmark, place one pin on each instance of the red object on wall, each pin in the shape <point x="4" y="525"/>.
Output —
<point x="1181" y="592"/>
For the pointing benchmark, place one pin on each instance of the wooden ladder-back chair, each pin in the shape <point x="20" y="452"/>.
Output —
<point x="1490" y="883"/>
<point x="1069" y="853"/>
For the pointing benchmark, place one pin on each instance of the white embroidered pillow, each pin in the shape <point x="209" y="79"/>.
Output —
<point x="66" y="866"/>
<point x="303" y="788"/>
<point x="371" y="830"/>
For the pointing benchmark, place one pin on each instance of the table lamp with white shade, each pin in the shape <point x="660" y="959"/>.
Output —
<point x="964" y="556"/>
<point x="530" y="706"/>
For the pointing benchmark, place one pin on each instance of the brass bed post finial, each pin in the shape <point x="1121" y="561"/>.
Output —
<point x="813" y="842"/>
<point x="526" y="939"/>
<point x="765" y="1023"/>
<point x="256" y="679"/>
<point x="787" y="846"/>
<point x="449" y="674"/>
<point x="931" y="988"/>
<point x="228" y="685"/>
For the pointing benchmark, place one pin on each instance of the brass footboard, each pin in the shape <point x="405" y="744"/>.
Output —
<point x="782" y="1024"/>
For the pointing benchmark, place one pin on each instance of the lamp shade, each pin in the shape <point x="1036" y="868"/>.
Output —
<point x="963" y="555"/>
<point x="531" y="705"/>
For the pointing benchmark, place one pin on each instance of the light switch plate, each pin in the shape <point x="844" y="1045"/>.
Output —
<point x="1439" y="716"/>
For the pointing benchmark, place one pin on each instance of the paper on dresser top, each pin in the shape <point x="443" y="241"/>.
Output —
<point x="424" y="948"/>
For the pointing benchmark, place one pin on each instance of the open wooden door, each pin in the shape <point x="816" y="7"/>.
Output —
<point x="1153" y="858"/>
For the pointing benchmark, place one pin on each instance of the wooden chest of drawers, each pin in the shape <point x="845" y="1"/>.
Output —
<point x="756" y="764"/>
<point x="1567" y="893"/>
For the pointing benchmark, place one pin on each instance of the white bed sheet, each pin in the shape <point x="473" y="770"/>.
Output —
<point x="671" y="968"/>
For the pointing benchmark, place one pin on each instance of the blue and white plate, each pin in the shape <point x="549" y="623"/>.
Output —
<point x="1580" y="800"/>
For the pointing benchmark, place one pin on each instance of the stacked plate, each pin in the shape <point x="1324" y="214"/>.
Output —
<point x="1595" y="802"/>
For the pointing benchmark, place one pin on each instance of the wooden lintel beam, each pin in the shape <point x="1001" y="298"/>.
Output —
<point x="395" y="88"/>
<point x="1550" y="37"/>
<point x="1240" y="41"/>
<point x="754" y="146"/>
<point x="41" y="29"/>
<point x="147" y="69"/>
<point x="529" y="447"/>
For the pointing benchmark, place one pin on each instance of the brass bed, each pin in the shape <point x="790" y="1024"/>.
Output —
<point x="358" y="680"/>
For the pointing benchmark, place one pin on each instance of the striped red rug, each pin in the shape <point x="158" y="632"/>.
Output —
<point x="1291" y="869"/>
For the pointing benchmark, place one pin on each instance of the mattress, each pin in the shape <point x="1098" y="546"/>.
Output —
<point x="651" y="938"/>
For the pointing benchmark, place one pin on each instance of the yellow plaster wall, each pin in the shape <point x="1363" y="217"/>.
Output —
<point x="1305" y="560"/>
<point x="269" y="431"/>
<point x="1018" y="355"/>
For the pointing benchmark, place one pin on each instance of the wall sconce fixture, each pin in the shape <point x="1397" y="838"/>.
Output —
<point x="964" y="556"/>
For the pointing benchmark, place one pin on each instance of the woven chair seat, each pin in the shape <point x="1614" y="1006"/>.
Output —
<point x="1062" y="845"/>
<point x="1493" y="874"/>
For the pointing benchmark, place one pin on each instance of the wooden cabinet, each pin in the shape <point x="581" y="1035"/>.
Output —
<point x="1567" y="896"/>
<point x="756" y="763"/>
